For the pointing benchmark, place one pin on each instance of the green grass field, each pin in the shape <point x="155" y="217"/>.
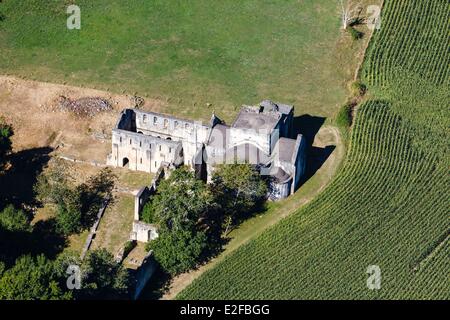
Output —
<point x="186" y="54"/>
<point x="389" y="204"/>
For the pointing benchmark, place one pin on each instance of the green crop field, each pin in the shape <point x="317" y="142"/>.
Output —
<point x="389" y="204"/>
<point x="186" y="54"/>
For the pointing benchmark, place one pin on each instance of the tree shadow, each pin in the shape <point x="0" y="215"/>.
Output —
<point x="16" y="184"/>
<point x="47" y="240"/>
<point x="43" y="239"/>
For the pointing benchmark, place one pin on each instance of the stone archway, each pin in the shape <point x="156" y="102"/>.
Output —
<point x="125" y="162"/>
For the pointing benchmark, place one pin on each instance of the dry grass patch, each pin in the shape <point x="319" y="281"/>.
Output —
<point x="115" y="226"/>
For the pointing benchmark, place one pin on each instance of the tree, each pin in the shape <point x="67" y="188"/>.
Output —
<point x="178" y="250"/>
<point x="69" y="218"/>
<point x="238" y="189"/>
<point x="30" y="279"/>
<point x="77" y="205"/>
<point x="15" y="234"/>
<point x="350" y="12"/>
<point x="6" y="133"/>
<point x="14" y="220"/>
<point x="180" y="207"/>
<point x="53" y="185"/>
<point x="102" y="276"/>
<point x="180" y="202"/>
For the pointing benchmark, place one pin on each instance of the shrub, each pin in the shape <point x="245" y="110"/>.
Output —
<point x="128" y="247"/>
<point x="148" y="213"/>
<point x="344" y="116"/>
<point x="358" y="88"/>
<point x="356" y="35"/>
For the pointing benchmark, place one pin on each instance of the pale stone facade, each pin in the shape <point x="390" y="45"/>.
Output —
<point x="260" y="135"/>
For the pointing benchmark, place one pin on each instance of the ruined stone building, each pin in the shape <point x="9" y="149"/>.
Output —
<point x="260" y="135"/>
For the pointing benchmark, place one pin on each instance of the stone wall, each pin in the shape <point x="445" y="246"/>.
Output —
<point x="143" y="232"/>
<point x="140" y="199"/>
<point x="299" y="161"/>
<point x="141" y="152"/>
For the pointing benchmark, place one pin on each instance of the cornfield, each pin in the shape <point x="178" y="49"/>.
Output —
<point x="389" y="204"/>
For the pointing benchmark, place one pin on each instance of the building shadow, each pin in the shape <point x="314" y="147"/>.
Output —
<point x="157" y="286"/>
<point x="315" y="158"/>
<point x="16" y="184"/>
<point x="308" y="126"/>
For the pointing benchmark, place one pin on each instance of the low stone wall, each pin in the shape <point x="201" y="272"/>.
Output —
<point x="143" y="232"/>
<point x="141" y="199"/>
<point x="91" y="235"/>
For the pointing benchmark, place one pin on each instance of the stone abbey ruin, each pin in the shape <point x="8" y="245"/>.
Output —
<point x="260" y="135"/>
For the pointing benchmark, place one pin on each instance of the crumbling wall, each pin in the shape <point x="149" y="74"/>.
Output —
<point x="141" y="152"/>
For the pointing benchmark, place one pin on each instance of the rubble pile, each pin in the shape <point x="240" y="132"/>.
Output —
<point x="137" y="101"/>
<point x="84" y="107"/>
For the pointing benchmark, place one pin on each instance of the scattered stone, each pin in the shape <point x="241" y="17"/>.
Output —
<point x="84" y="107"/>
<point x="137" y="101"/>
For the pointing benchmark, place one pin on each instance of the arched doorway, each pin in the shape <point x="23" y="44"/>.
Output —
<point x="125" y="162"/>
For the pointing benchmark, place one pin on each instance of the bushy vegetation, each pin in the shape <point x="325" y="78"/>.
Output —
<point x="77" y="204"/>
<point x="192" y="216"/>
<point x="30" y="279"/>
<point x="101" y="276"/>
<point x="179" y="206"/>
<point x="6" y="132"/>
<point x="178" y="250"/>
<point x="355" y="33"/>
<point x="181" y="200"/>
<point x="388" y="206"/>
<point x="344" y="117"/>
<point x="239" y="191"/>
<point x="28" y="268"/>
<point x="13" y="220"/>
<point x="358" y="88"/>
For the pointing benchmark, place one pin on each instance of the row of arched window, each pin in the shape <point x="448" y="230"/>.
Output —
<point x="165" y="122"/>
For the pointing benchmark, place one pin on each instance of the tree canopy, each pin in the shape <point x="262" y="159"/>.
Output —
<point x="178" y="250"/>
<point x="12" y="220"/>
<point x="6" y="133"/>
<point x="101" y="276"/>
<point x="77" y="204"/>
<point x="238" y="189"/>
<point x="31" y="278"/>
<point x="180" y="202"/>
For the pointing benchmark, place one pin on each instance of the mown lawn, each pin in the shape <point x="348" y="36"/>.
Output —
<point x="186" y="53"/>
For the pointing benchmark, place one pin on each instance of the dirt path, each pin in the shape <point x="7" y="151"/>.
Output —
<point x="33" y="110"/>
<point x="327" y="136"/>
